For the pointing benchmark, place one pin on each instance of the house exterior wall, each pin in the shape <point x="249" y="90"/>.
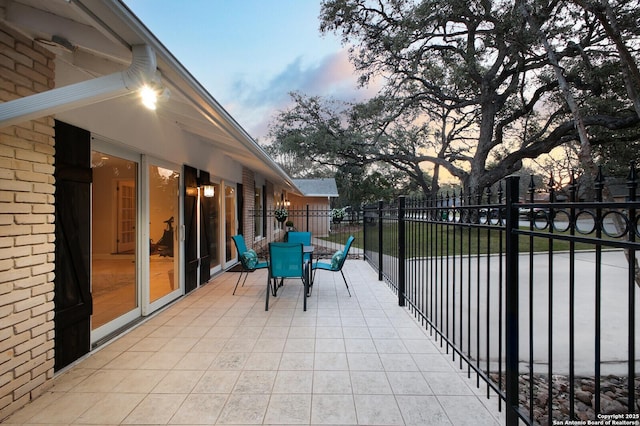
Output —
<point x="319" y="205"/>
<point x="27" y="229"/>
<point x="248" y="191"/>
<point x="270" y="206"/>
<point x="262" y="246"/>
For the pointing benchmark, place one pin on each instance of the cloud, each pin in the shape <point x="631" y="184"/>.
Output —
<point x="255" y="105"/>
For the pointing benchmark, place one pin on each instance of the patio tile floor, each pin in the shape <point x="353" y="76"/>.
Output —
<point x="215" y="358"/>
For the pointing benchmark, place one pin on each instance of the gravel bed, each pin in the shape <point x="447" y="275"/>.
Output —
<point x="613" y="397"/>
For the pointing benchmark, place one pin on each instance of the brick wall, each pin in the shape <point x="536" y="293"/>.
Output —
<point x="26" y="229"/>
<point x="248" y="193"/>
<point x="270" y="204"/>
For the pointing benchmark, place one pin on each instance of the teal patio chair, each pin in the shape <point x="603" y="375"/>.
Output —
<point x="300" y="237"/>
<point x="337" y="262"/>
<point x="286" y="260"/>
<point x="248" y="260"/>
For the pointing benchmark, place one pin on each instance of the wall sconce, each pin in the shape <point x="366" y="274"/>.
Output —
<point x="208" y="190"/>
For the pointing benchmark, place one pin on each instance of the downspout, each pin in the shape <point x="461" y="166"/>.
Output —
<point x="142" y="70"/>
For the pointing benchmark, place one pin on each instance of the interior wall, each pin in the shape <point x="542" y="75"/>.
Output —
<point x="105" y="179"/>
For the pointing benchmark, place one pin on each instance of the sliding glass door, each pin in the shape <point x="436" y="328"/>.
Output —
<point x="136" y="244"/>
<point x="164" y="231"/>
<point x="212" y="207"/>
<point x="230" y="223"/>
<point x="114" y="248"/>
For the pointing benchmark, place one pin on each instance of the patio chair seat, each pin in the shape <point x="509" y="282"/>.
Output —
<point x="261" y="265"/>
<point x="324" y="266"/>
<point x="337" y="265"/>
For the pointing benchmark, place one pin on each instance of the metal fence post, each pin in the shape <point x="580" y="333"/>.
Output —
<point x="365" y="234"/>
<point x="632" y="186"/>
<point x="380" y="250"/>
<point x="511" y="302"/>
<point x="402" y="256"/>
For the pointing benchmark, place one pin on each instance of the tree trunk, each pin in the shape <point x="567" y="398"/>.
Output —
<point x="477" y="179"/>
<point x="585" y="147"/>
<point x="435" y="184"/>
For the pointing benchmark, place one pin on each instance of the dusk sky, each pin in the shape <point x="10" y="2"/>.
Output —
<point x="249" y="54"/>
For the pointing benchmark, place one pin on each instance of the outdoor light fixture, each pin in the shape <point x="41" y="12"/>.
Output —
<point x="284" y="203"/>
<point x="149" y="97"/>
<point x="143" y="68"/>
<point x="153" y="91"/>
<point x="208" y="190"/>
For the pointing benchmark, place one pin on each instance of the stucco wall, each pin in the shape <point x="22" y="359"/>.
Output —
<point x="27" y="234"/>
<point x="318" y="206"/>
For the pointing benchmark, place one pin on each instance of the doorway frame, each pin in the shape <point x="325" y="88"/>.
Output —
<point x="149" y="307"/>
<point x="221" y="227"/>
<point x="232" y="261"/>
<point x="102" y="145"/>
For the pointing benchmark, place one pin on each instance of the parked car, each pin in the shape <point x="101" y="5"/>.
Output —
<point x="533" y="212"/>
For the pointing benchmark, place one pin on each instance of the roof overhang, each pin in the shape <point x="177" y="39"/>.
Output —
<point x="97" y="38"/>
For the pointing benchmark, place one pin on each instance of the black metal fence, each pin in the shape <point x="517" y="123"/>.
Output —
<point x="536" y="299"/>
<point x="329" y="234"/>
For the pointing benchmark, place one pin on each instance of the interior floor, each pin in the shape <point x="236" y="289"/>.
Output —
<point x="114" y="287"/>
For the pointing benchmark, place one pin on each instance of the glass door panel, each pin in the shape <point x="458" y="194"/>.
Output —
<point x="113" y="246"/>
<point x="214" y="225"/>
<point x="164" y="214"/>
<point x="230" y="221"/>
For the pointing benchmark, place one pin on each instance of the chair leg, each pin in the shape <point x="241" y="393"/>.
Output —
<point x="345" y="282"/>
<point x="238" y="282"/>
<point x="305" y="282"/>
<point x="308" y="273"/>
<point x="304" y="296"/>
<point x="266" y="303"/>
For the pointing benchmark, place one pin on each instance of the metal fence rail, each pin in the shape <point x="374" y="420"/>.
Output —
<point x="538" y="300"/>
<point x="328" y="235"/>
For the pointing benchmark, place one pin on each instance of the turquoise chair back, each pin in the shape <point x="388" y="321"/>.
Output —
<point x="285" y="260"/>
<point x="240" y="244"/>
<point x="345" y="252"/>
<point x="299" y="237"/>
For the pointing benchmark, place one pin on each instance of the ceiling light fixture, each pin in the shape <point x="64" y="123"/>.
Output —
<point x="149" y="97"/>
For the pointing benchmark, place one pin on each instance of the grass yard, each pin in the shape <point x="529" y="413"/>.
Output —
<point x="427" y="239"/>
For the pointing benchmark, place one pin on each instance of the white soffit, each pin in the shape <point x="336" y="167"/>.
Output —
<point x="101" y="33"/>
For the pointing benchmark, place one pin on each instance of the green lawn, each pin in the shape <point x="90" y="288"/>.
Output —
<point x="425" y="240"/>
